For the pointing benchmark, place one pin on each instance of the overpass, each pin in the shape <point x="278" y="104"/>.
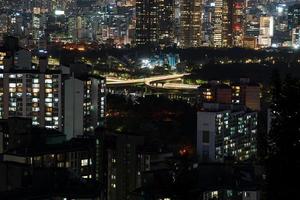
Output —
<point x="154" y="82"/>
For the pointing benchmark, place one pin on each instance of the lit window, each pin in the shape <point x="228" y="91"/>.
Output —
<point x="84" y="162"/>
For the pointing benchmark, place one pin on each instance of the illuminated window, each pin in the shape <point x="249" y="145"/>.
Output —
<point x="84" y="162"/>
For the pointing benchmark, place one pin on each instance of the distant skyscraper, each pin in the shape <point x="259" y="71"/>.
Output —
<point x="294" y="16"/>
<point x="154" y="22"/>
<point x="252" y="19"/>
<point x="146" y="22"/>
<point x="207" y="23"/>
<point x="296" y="37"/>
<point x="238" y="22"/>
<point x="166" y="17"/>
<point x="190" y="23"/>
<point x="222" y="35"/>
<point x="266" y="31"/>
<point x="228" y="23"/>
<point x="294" y="24"/>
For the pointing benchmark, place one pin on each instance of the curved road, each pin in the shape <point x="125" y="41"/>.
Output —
<point x="152" y="82"/>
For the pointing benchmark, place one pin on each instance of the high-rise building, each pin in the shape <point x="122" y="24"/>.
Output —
<point x="266" y="31"/>
<point x="238" y="22"/>
<point x="229" y="23"/>
<point x="190" y="23"/>
<point x="252" y="16"/>
<point x="226" y="132"/>
<point x="166" y="15"/>
<point x="34" y="93"/>
<point x="207" y="22"/>
<point x="294" y="17"/>
<point x="146" y="22"/>
<point x="222" y="35"/>
<point x="40" y="88"/>
<point x="294" y="24"/>
<point x="84" y="108"/>
<point x="296" y="37"/>
<point x="123" y="165"/>
<point x="154" y="22"/>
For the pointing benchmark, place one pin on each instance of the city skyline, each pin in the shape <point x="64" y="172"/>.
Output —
<point x="149" y="99"/>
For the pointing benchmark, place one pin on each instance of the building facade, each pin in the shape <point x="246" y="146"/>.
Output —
<point x="222" y="33"/>
<point x="266" y="31"/>
<point x="154" y="22"/>
<point x="84" y="108"/>
<point x="226" y="132"/>
<point x="190" y="23"/>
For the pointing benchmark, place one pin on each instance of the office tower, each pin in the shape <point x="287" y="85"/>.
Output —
<point x="226" y="132"/>
<point x="294" y="24"/>
<point x="190" y="23"/>
<point x="266" y="31"/>
<point x="238" y="22"/>
<point x="207" y="24"/>
<point x="3" y="25"/>
<point x="154" y="22"/>
<point x="166" y="15"/>
<point x="16" y="25"/>
<point x="84" y="108"/>
<point x="38" y="24"/>
<point x="252" y="24"/>
<point x="146" y="22"/>
<point x="229" y="23"/>
<point x="281" y="32"/>
<point x="296" y="37"/>
<point x="293" y="17"/>
<point x="222" y="35"/>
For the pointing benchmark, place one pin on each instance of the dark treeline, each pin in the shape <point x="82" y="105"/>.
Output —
<point x="283" y="153"/>
<point x="193" y="54"/>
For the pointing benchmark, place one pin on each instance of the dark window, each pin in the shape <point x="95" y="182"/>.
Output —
<point x="205" y="136"/>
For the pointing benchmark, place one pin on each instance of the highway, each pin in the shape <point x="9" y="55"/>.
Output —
<point x="154" y="82"/>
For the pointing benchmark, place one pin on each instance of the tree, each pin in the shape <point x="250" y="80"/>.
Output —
<point x="284" y="139"/>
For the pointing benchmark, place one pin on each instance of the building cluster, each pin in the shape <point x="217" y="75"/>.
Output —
<point x="164" y="23"/>
<point x="227" y="127"/>
<point x="49" y="117"/>
<point x="243" y="92"/>
<point x="53" y="126"/>
<point x="53" y="141"/>
<point x="217" y="23"/>
<point x="39" y="87"/>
